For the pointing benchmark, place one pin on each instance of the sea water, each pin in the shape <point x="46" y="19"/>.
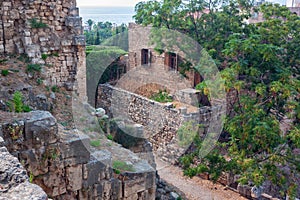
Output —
<point x="115" y="15"/>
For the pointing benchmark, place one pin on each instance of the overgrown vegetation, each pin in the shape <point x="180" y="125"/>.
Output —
<point x="39" y="81"/>
<point x="16" y="105"/>
<point x="33" y="68"/>
<point x="95" y="143"/>
<point x="4" y="72"/>
<point x="55" y="88"/>
<point x="101" y="31"/>
<point x="260" y="64"/>
<point x="162" y="96"/>
<point x="101" y="65"/>
<point x="34" y="23"/>
<point x="3" y="61"/>
<point x="120" y="166"/>
<point x="44" y="56"/>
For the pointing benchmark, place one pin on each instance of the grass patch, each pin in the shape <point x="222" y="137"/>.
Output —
<point x="44" y="56"/>
<point x="39" y="81"/>
<point x="110" y="137"/>
<point x="24" y="58"/>
<point x="162" y="97"/>
<point x="95" y="143"/>
<point x="34" y="68"/>
<point x="55" y="88"/>
<point x="55" y="54"/>
<point x="26" y="108"/>
<point x="34" y="23"/>
<point x="122" y="166"/>
<point x="4" y="72"/>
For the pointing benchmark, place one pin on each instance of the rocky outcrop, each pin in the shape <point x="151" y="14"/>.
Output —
<point x="14" y="181"/>
<point x="64" y="165"/>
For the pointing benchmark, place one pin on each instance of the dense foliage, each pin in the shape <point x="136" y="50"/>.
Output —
<point x="100" y="64"/>
<point x="260" y="64"/>
<point x="98" y="32"/>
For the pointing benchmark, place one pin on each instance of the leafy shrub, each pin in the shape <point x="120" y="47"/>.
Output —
<point x="186" y="133"/>
<point x="3" y="61"/>
<point x="39" y="81"/>
<point x="34" y="68"/>
<point x="110" y="137"/>
<point x="162" y="97"/>
<point x="34" y="23"/>
<point x="17" y="100"/>
<point x="55" y="54"/>
<point x="31" y="177"/>
<point x="4" y="72"/>
<point x="24" y="58"/>
<point x="95" y="143"/>
<point x="44" y="56"/>
<point x="55" y="88"/>
<point x="122" y="166"/>
<point x="26" y="108"/>
<point x="17" y="105"/>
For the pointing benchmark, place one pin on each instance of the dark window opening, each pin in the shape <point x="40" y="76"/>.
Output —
<point x="171" y="60"/>
<point x="145" y="56"/>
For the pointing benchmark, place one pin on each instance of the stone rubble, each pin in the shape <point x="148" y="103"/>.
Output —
<point x="63" y="164"/>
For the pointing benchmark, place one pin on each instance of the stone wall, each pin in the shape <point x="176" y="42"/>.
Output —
<point x="160" y="122"/>
<point x="14" y="181"/>
<point x="59" y="45"/>
<point x="64" y="165"/>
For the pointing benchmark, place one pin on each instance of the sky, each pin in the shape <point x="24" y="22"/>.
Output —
<point x="106" y="3"/>
<point x="125" y="3"/>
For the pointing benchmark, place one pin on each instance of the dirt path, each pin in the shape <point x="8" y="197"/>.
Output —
<point x="195" y="188"/>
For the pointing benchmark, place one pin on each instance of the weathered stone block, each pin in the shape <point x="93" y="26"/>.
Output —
<point x="74" y="148"/>
<point x="13" y="135"/>
<point x="135" y="184"/>
<point x="41" y="128"/>
<point x="37" y="164"/>
<point x="73" y="21"/>
<point x="79" y="40"/>
<point x="98" y="168"/>
<point x="74" y="178"/>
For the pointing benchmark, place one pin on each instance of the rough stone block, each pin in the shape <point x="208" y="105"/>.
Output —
<point x="41" y="128"/>
<point x="79" y="40"/>
<point x="13" y="135"/>
<point x="74" y="148"/>
<point x="98" y="168"/>
<point x="135" y="184"/>
<point x="73" y="21"/>
<point x="74" y="178"/>
<point x="6" y="4"/>
<point x="37" y="165"/>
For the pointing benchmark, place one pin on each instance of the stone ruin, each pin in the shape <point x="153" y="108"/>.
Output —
<point x="63" y="164"/>
<point x="49" y="33"/>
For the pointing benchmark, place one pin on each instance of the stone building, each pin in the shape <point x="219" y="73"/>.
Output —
<point x="143" y="53"/>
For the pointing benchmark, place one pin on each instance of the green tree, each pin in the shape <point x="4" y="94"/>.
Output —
<point x="101" y="31"/>
<point x="90" y="24"/>
<point x="260" y="63"/>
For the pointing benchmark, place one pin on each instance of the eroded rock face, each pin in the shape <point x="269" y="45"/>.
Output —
<point x="14" y="182"/>
<point x="63" y="164"/>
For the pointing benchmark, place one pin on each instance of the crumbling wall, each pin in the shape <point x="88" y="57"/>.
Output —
<point x="14" y="181"/>
<point x="55" y="39"/>
<point x="160" y="121"/>
<point x="63" y="164"/>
